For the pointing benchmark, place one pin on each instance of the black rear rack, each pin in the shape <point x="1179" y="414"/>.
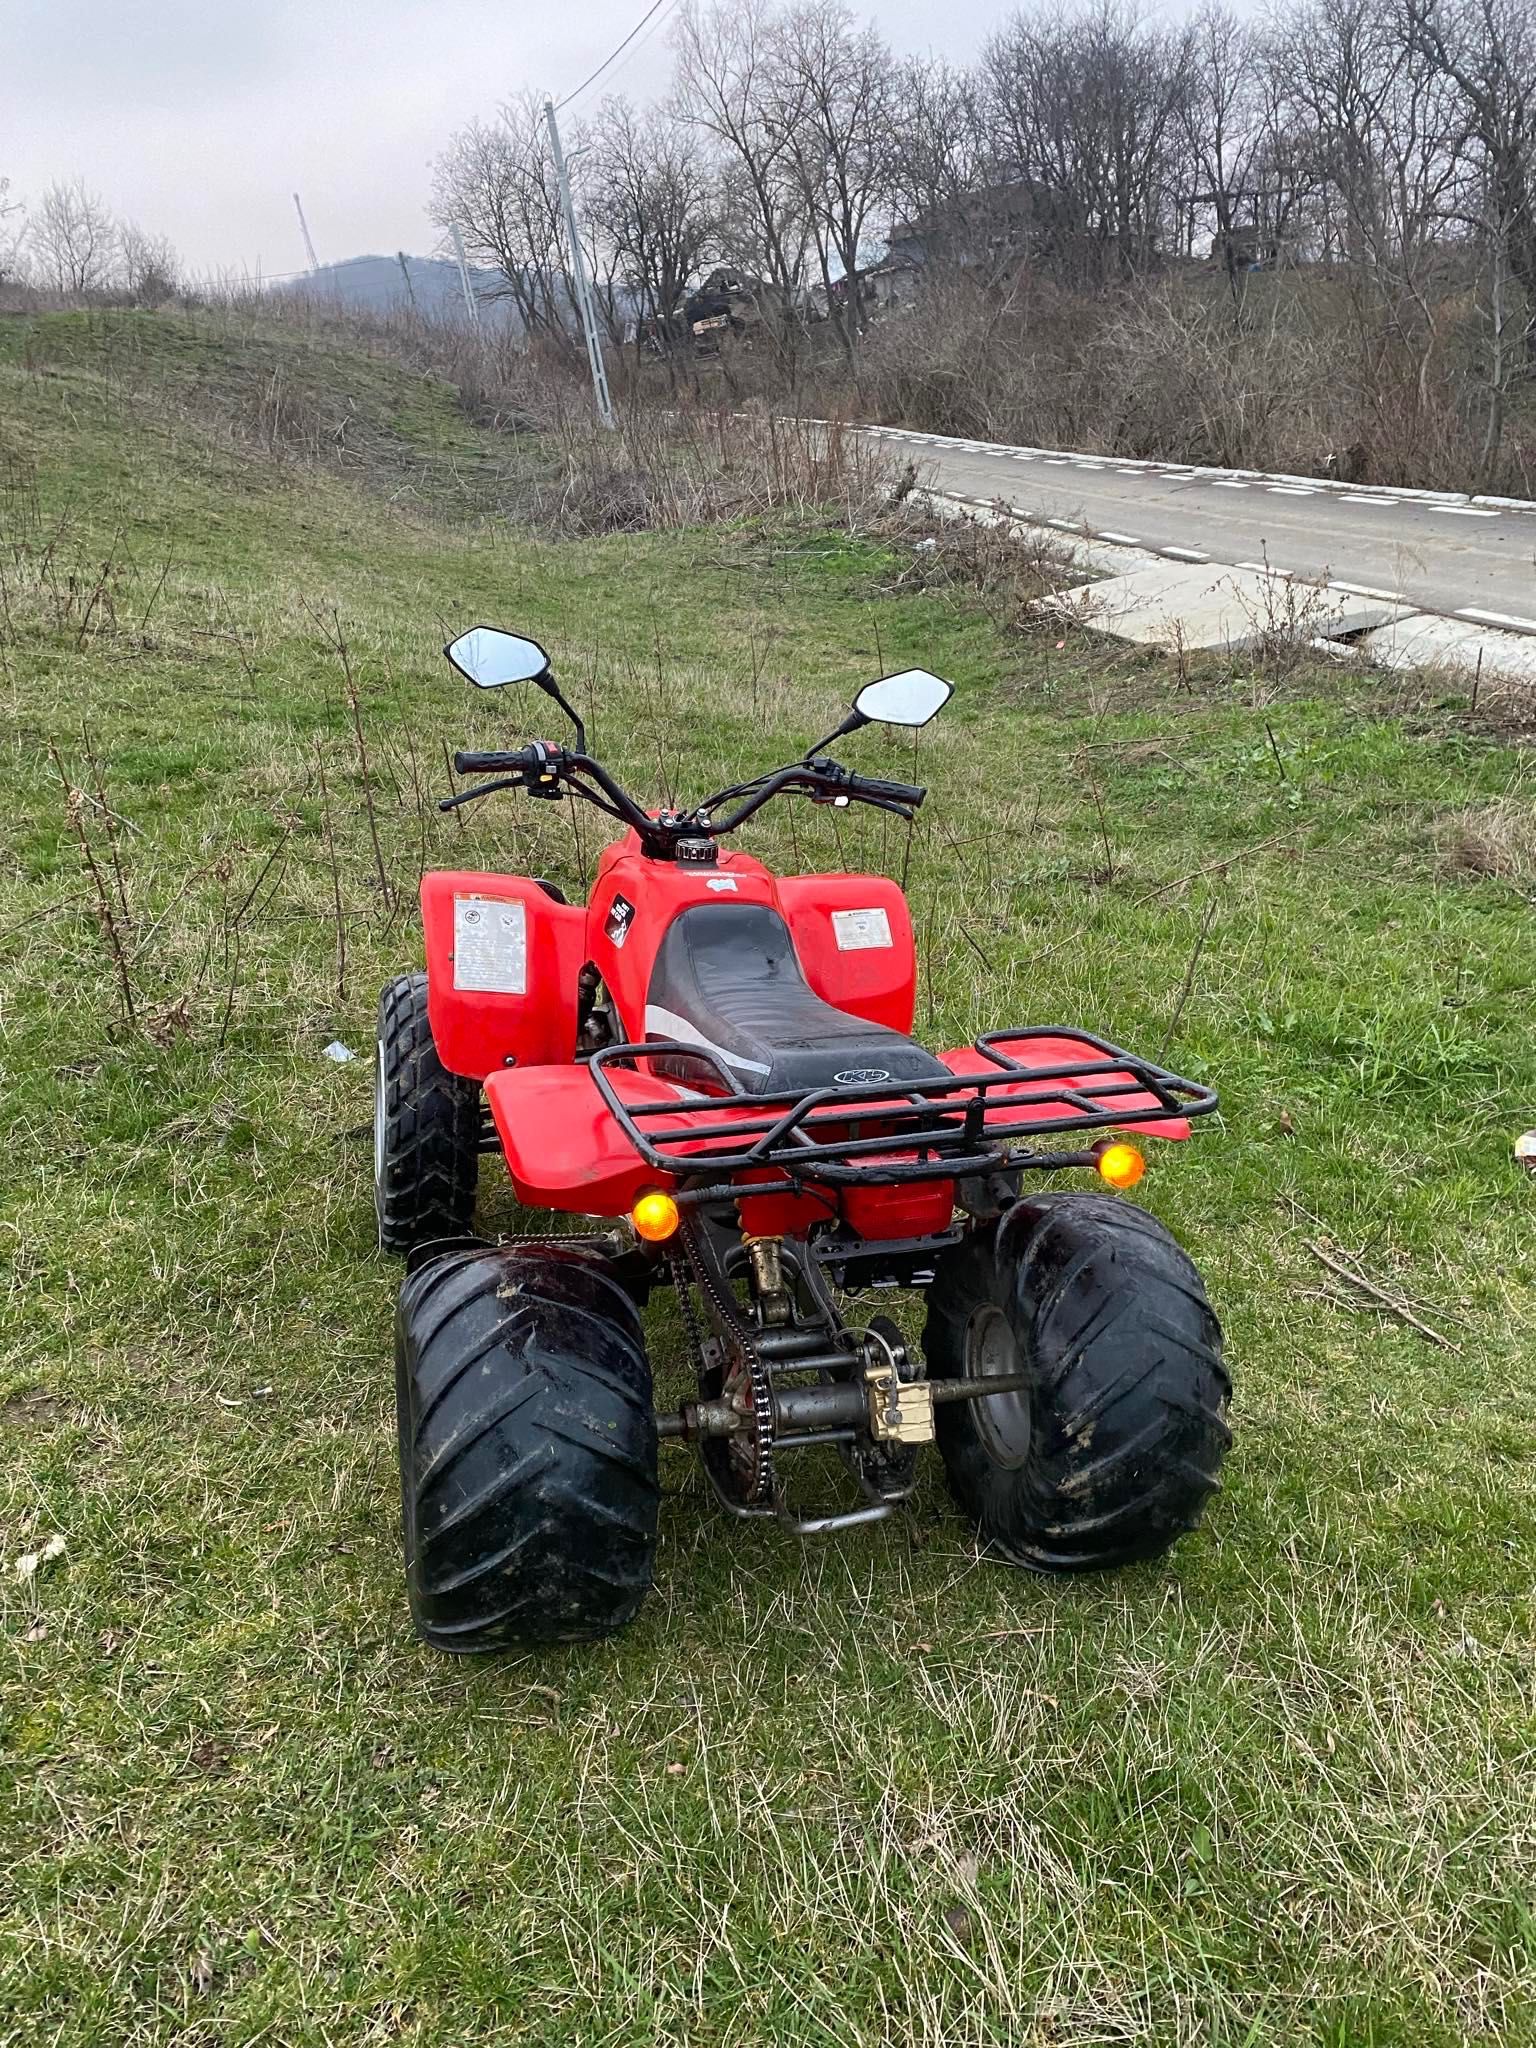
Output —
<point x="819" y="1135"/>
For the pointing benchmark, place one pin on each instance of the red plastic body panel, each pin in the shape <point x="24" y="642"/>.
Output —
<point x="915" y="1209"/>
<point x="623" y="942"/>
<point x="478" y="1030"/>
<point x="876" y="979"/>
<point x="786" y="1215"/>
<point x="867" y="964"/>
<point x="564" y="1151"/>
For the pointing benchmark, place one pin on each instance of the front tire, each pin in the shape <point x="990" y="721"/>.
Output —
<point x="527" y="1448"/>
<point x="1111" y="1453"/>
<point x="426" y="1128"/>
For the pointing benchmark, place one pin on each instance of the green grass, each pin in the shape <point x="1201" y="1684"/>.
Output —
<point x="878" y="1789"/>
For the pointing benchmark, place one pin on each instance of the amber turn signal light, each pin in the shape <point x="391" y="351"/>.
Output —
<point x="1120" y="1165"/>
<point x="655" y="1216"/>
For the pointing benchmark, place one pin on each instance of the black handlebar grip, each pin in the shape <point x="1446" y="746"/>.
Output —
<point x="490" y="764"/>
<point x="890" y="792"/>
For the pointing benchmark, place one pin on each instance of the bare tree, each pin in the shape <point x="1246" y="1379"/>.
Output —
<point x="148" y="265"/>
<point x="497" y="183"/>
<point x="652" y="199"/>
<point x="831" y="85"/>
<point x="1487" y="50"/>
<point x="74" y="239"/>
<point x="1223" y="119"/>
<point x="1089" y="106"/>
<point x="727" y="90"/>
<point x="1386" y="125"/>
<point x="13" y="233"/>
<point x="936" y="143"/>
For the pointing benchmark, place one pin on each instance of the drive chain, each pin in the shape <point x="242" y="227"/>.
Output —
<point x="749" y="1453"/>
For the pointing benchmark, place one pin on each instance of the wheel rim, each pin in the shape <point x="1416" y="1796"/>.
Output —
<point x="379" y="1121"/>
<point x="1003" y="1421"/>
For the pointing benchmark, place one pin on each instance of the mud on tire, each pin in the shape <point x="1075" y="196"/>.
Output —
<point x="527" y="1448"/>
<point x="1112" y="1453"/>
<point x="426" y="1128"/>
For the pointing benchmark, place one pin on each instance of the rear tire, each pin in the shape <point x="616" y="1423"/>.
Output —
<point x="527" y="1448"/>
<point x="1112" y="1453"/>
<point x="426" y="1128"/>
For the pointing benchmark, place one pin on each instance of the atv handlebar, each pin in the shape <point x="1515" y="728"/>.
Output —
<point x="541" y="767"/>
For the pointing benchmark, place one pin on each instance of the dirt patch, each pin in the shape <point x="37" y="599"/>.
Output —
<point x="33" y="1407"/>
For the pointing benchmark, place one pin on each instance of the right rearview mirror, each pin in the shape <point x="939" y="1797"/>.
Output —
<point x="911" y="698"/>
<point x="490" y="657"/>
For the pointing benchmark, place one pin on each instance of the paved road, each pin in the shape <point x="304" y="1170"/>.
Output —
<point x="1476" y="562"/>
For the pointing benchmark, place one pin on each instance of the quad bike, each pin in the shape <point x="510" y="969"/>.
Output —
<point x="714" y="1065"/>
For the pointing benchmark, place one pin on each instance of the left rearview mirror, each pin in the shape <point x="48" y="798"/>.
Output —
<point x="910" y="698"/>
<point x="491" y="658"/>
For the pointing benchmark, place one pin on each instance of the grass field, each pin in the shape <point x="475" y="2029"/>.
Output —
<point x="882" y="1790"/>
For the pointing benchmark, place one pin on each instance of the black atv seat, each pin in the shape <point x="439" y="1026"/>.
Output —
<point x="727" y="979"/>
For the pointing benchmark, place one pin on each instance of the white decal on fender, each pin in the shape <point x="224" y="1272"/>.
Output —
<point x="718" y="882"/>
<point x="858" y="930"/>
<point x="490" y="945"/>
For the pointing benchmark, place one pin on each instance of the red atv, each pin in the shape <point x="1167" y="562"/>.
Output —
<point x="715" y="1065"/>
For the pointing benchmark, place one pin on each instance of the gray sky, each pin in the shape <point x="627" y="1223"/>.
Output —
<point x="198" y="119"/>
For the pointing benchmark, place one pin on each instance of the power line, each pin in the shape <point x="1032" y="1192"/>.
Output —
<point x="654" y="9"/>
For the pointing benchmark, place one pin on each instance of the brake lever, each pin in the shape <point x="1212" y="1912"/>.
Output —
<point x="468" y="796"/>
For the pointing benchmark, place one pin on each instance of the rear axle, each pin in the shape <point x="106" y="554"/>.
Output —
<point x="843" y="1405"/>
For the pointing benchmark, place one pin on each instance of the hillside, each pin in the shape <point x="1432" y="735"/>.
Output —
<point x="376" y="284"/>
<point x="260" y="391"/>
<point x="879" y="1792"/>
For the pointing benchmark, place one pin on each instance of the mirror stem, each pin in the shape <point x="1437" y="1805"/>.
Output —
<point x="851" y="723"/>
<point x="551" y="688"/>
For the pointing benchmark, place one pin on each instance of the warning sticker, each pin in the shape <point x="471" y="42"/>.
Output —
<point x="857" y="930"/>
<point x="490" y="945"/>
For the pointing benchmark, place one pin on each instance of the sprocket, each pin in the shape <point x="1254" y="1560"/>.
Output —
<point x="740" y="1466"/>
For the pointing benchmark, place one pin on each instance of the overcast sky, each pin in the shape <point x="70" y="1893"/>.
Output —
<point x="199" y="119"/>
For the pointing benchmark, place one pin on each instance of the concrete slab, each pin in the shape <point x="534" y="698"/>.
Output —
<point x="1426" y="640"/>
<point x="1149" y="594"/>
<point x="1177" y="604"/>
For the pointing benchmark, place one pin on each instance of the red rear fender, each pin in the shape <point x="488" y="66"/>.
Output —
<point x="1004" y="1105"/>
<point x="564" y="1150"/>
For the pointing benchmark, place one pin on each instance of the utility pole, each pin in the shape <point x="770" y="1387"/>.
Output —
<point x="314" y="260"/>
<point x="579" y="274"/>
<point x="405" y="272"/>
<point x="471" y="303"/>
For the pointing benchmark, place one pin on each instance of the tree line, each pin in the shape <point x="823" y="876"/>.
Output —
<point x="1381" y="150"/>
<point x="1304" y="239"/>
<point x="72" y="244"/>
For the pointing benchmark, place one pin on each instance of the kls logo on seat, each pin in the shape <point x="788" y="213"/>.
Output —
<point x="854" y="1077"/>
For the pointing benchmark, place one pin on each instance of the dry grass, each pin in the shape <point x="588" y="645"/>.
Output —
<point x="692" y="468"/>
<point x="1495" y="839"/>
